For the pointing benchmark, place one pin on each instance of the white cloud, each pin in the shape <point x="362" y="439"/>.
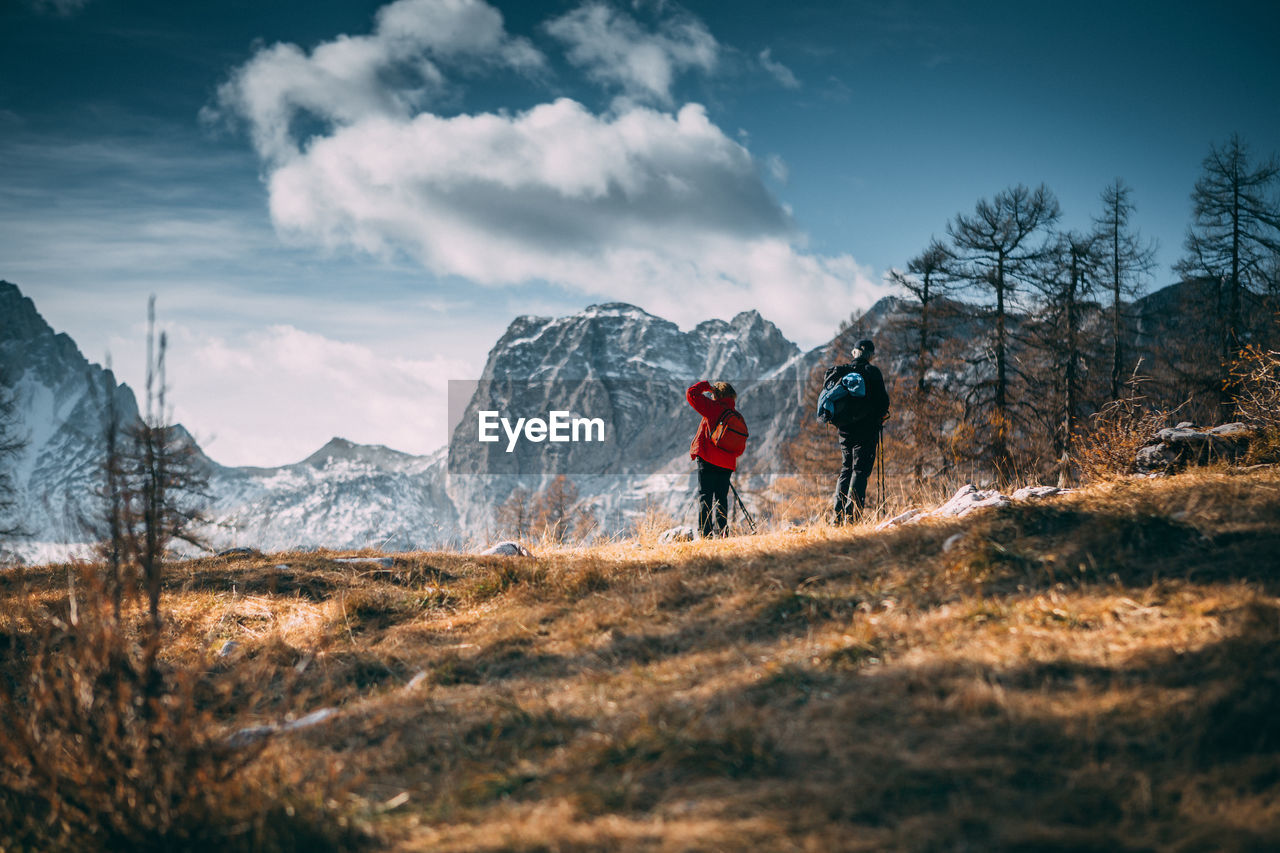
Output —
<point x="347" y="79"/>
<point x="614" y="50"/>
<point x="780" y="72"/>
<point x="641" y="204"/>
<point x="778" y="168"/>
<point x="271" y="396"/>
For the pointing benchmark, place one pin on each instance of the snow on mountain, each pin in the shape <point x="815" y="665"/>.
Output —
<point x="629" y="368"/>
<point x="344" y="495"/>
<point x="613" y="361"/>
<point x="59" y="401"/>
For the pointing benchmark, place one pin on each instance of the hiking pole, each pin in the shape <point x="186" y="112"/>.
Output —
<point x="880" y="467"/>
<point x="751" y="522"/>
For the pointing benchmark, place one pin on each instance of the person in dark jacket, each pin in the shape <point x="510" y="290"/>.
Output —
<point x="858" y="440"/>
<point x="715" y="466"/>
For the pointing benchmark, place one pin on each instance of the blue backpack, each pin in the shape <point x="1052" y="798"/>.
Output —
<point x="844" y="402"/>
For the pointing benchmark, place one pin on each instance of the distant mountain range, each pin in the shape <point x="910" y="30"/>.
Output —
<point x="613" y="361"/>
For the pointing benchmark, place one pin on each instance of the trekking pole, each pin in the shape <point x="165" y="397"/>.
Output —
<point x="692" y="504"/>
<point x="751" y="522"/>
<point x="880" y="468"/>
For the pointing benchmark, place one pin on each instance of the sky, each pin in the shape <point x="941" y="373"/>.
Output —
<point x="341" y="205"/>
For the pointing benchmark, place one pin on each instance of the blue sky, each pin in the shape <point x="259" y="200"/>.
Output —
<point x="341" y="205"/>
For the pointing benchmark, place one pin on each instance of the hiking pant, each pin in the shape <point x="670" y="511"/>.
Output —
<point x="713" y="492"/>
<point x="857" y="458"/>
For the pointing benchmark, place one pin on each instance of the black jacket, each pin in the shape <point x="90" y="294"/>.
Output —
<point x="876" y="394"/>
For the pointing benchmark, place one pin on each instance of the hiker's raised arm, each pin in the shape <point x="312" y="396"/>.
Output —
<point x="702" y="404"/>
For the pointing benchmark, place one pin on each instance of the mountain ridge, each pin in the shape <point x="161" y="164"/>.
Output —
<point x="613" y="359"/>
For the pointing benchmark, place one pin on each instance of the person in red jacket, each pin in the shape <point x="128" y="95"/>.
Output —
<point x="715" y="466"/>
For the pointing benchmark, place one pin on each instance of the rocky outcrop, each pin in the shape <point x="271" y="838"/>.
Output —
<point x="507" y="549"/>
<point x="1177" y="448"/>
<point x="970" y="498"/>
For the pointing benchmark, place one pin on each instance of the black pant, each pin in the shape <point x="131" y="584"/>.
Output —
<point x="857" y="458"/>
<point x="713" y="488"/>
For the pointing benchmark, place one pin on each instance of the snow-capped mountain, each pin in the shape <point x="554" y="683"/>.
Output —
<point x="614" y="361"/>
<point x="60" y="400"/>
<point x="344" y="495"/>
<point x="630" y="369"/>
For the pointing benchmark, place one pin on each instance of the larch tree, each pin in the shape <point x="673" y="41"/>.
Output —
<point x="1070" y="275"/>
<point x="996" y="251"/>
<point x="1233" y="240"/>
<point x="1126" y="260"/>
<point x="927" y="279"/>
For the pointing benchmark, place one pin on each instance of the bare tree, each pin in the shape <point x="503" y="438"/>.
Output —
<point x="160" y="484"/>
<point x="1071" y="274"/>
<point x="1233" y="241"/>
<point x="996" y="251"/>
<point x="1126" y="260"/>
<point x="554" y="508"/>
<point x="928" y="279"/>
<point x="515" y="515"/>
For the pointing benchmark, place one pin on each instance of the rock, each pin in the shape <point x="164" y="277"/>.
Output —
<point x="1184" y="445"/>
<point x="1036" y="492"/>
<point x="970" y="498"/>
<point x="967" y="499"/>
<point x="229" y="648"/>
<point x="1234" y="432"/>
<point x="676" y="534"/>
<point x="952" y="541"/>
<point x="1154" y="458"/>
<point x="237" y="552"/>
<point x="507" y="549"/>
<point x="1182" y="436"/>
<point x="315" y="718"/>
<point x="898" y="519"/>
<point x="418" y="678"/>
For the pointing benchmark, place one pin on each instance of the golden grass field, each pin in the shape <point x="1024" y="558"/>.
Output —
<point x="1099" y="671"/>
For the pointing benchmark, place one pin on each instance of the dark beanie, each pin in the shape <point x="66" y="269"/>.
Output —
<point x="867" y="347"/>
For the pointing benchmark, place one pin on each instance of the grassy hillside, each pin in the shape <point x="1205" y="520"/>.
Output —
<point x="1098" y="672"/>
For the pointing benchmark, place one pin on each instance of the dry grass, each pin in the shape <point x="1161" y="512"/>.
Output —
<point x="1101" y="672"/>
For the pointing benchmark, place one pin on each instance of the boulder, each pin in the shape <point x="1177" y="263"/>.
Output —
<point x="507" y="549"/>
<point x="970" y="498"/>
<point x="1185" y="445"/>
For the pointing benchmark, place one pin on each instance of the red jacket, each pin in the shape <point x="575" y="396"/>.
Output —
<point x="702" y="446"/>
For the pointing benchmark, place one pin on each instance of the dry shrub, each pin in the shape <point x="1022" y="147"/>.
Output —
<point x="107" y="747"/>
<point x="1109" y="447"/>
<point x="1256" y="377"/>
<point x="652" y="523"/>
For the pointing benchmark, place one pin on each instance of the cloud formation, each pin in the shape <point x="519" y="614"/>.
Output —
<point x="613" y="49"/>
<point x="393" y="72"/>
<point x="780" y="72"/>
<point x="253" y="387"/>
<point x="638" y="203"/>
